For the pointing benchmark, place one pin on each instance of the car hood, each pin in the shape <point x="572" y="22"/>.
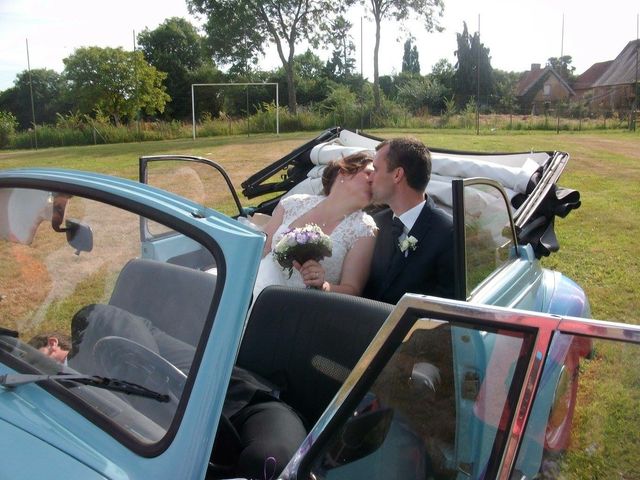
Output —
<point x="32" y="457"/>
<point x="32" y="428"/>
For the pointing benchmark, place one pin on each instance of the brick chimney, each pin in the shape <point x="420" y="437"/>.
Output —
<point x="535" y="66"/>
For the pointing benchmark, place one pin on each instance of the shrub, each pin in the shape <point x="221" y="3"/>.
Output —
<point x="8" y="125"/>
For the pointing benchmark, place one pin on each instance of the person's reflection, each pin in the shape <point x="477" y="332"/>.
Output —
<point x="58" y="207"/>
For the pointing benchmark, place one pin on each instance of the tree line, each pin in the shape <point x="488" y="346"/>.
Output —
<point x="154" y="81"/>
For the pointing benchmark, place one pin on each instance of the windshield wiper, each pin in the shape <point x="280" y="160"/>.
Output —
<point x="14" y="380"/>
<point x="8" y="333"/>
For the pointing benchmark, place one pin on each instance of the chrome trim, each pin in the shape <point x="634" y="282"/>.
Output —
<point x="428" y="308"/>
<point x="487" y="181"/>
<point x="144" y="160"/>
<point x="621" y="332"/>
<point x="525" y="402"/>
<point x="550" y="176"/>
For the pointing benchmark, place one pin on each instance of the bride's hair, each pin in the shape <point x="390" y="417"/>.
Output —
<point x="349" y="165"/>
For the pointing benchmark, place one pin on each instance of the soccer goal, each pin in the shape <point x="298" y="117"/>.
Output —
<point x="231" y="84"/>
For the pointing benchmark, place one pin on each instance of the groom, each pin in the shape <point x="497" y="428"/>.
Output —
<point x="414" y="247"/>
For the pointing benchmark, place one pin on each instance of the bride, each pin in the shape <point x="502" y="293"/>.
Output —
<point x="347" y="190"/>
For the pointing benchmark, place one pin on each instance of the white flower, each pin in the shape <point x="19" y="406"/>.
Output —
<point x="409" y="243"/>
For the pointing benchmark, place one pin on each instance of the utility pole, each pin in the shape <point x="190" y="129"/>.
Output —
<point x="362" y="75"/>
<point x="561" y="55"/>
<point x="135" y="76"/>
<point x="33" y="110"/>
<point x="635" y="97"/>
<point x="478" y="81"/>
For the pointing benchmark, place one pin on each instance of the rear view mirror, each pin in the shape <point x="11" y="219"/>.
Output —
<point x="361" y="436"/>
<point x="79" y="236"/>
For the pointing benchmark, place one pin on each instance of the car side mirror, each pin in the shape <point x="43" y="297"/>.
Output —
<point x="362" y="435"/>
<point x="79" y="236"/>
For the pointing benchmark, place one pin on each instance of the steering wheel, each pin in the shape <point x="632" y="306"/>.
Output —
<point x="127" y="360"/>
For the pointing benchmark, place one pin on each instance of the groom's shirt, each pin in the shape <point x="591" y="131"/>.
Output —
<point x="409" y="218"/>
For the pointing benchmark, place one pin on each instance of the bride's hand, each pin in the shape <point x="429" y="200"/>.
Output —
<point x="311" y="272"/>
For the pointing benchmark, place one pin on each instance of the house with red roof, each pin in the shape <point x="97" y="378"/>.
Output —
<point x="541" y="88"/>
<point x="611" y="85"/>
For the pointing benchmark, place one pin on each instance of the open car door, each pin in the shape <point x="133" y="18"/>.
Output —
<point x="195" y="178"/>
<point x="410" y="409"/>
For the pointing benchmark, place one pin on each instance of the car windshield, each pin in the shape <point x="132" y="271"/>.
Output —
<point x="81" y="294"/>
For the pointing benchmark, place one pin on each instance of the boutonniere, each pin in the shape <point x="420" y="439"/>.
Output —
<point x="409" y="243"/>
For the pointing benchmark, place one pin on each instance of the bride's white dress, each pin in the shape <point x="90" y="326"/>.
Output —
<point x="347" y="232"/>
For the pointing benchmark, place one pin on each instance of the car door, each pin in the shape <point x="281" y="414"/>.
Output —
<point x="398" y="413"/>
<point x="200" y="180"/>
<point x="73" y="266"/>
<point x="491" y="266"/>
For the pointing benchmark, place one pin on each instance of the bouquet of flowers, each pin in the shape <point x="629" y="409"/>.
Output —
<point x="302" y="244"/>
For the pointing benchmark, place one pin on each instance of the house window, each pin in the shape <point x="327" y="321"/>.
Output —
<point x="547" y="89"/>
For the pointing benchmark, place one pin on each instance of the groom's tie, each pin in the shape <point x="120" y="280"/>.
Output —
<point x="397" y="229"/>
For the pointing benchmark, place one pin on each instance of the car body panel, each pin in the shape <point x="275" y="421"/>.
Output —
<point x="480" y="460"/>
<point x="21" y="463"/>
<point x="241" y="248"/>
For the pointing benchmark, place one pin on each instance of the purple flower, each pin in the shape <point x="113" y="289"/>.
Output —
<point x="301" y="244"/>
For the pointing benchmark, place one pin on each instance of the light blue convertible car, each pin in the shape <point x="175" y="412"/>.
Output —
<point x="485" y="386"/>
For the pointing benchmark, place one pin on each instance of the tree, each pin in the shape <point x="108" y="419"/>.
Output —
<point x="117" y="82"/>
<point x="49" y="94"/>
<point x="401" y="10"/>
<point x="309" y="77"/>
<point x="472" y="55"/>
<point x="410" y="60"/>
<point x="8" y="124"/>
<point x="176" y="48"/>
<point x="562" y="65"/>
<point x="422" y="93"/>
<point x="506" y="83"/>
<point x="444" y="73"/>
<point x="342" y="64"/>
<point x="207" y="100"/>
<point x="238" y="30"/>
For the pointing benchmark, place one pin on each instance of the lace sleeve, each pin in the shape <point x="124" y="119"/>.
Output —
<point x="290" y="205"/>
<point x="295" y="205"/>
<point x="368" y="227"/>
<point x="359" y="225"/>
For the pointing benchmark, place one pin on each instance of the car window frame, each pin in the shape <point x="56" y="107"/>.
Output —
<point x="104" y="195"/>
<point x="459" y="236"/>
<point x="544" y="326"/>
<point x="143" y="176"/>
<point x="410" y="309"/>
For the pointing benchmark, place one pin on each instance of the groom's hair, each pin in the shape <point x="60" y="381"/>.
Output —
<point x="42" y="339"/>
<point x="413" y="156"/>
<point x="349" y="165"/>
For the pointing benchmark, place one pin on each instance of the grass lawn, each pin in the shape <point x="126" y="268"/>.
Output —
<point x="600" y="243"/>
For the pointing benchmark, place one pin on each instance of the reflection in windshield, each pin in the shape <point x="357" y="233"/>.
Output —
<point x="100" y="311"/>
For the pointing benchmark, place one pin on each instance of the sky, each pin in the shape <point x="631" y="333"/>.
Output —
<point x="517" y="33"/>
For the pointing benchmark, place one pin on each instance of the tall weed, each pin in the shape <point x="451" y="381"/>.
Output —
<point x="341" y="107"/>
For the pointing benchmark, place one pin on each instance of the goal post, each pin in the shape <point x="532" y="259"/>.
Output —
<point x="232" y="84"/>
